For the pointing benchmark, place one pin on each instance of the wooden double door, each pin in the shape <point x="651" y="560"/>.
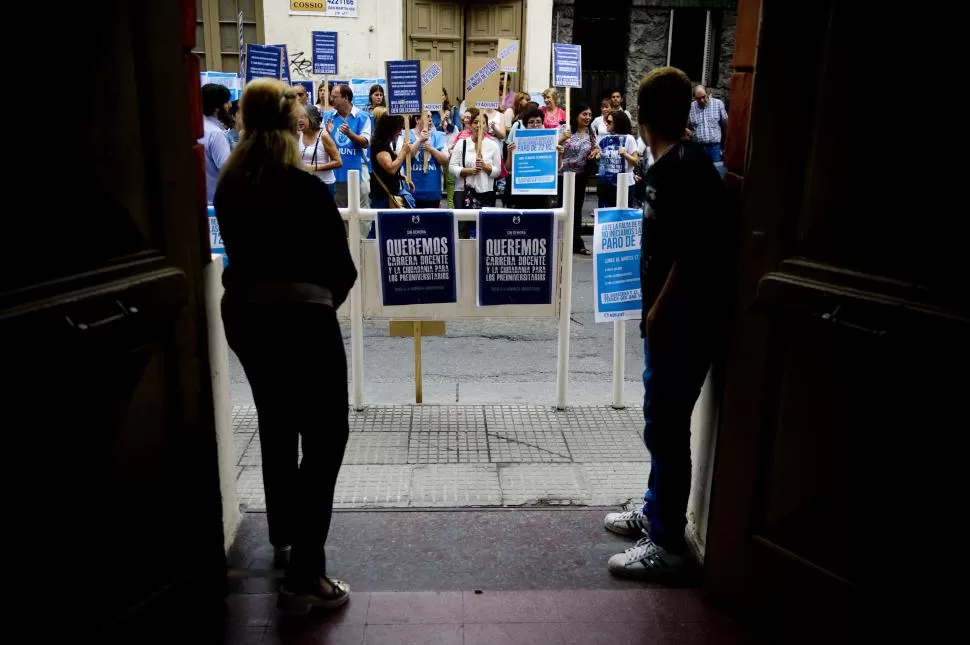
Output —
<point x="452" y="31"/>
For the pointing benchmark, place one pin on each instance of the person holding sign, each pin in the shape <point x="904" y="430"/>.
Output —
<point x="618" y="153"/>
<point x="532" y="118"/>
<point x="387" y="163"/>
<point x="350" y="129"/>
<point x="280" y="315"/>
<point x="685" y="276"/>
<point x="476" y="162"/>
<point x="427" y="180"/>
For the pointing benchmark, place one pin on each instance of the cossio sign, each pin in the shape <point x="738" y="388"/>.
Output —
<point x="331" y="8"/>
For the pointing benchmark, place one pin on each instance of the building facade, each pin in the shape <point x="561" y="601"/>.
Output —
<point x="621" y="41"/>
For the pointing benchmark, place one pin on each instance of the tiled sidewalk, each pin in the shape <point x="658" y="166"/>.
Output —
<point x="473" y="456"/>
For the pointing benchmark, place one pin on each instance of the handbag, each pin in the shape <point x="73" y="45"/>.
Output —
<point x="395" y="201"/>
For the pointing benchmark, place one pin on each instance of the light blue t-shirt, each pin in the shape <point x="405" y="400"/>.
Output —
<point x="351" y="156"/>
<point x="427" y="185"/>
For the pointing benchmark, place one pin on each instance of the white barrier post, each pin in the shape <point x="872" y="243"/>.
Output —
<point x="356" y="299"/>
<point x="221" y="398"/>
<point x="566" y="280"/>
<point x="619" y="326"/>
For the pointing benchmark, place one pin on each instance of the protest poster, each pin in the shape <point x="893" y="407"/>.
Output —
<point x="516" y="257"/>
<point x="418" y="257"/>
<point x="361" y="89"/>
<point x="535" y="162"/>
<point x="263" y="61"/>
<point x="324" y="53"/>
<point x="508" y="55"/>
<point x="567" y="65"/>
<point x="616" y="264"/>
<point x="481" y="82"/>
<point x="431" y="76"/>
<point x="403" y="86"/>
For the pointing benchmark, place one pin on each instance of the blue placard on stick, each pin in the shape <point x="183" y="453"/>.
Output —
<point x="567" y="65"/>
<point x="535" y="161"/>
<point x="284" y="65"/>
<point x="417" y="255"/>
<point x="516" y="258"/>
<point x="616" y="263"/>
<point x="325" y="53"/>
<point x="403" y="86"/>
<point x="263" y="61"/>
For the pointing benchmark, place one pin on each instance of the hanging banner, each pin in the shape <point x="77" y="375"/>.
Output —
<point x="361" y="89"/>
<point x="508" y="54"/>
<point x="616" y="263"/>
<point x="324" y="52"/>
<point x="403" y="86"/>
<point x="417" y="255"/>
<point x="567" y="65"/>
<point x="329" y="8"/>
<point x="431" y="85"/>
<point x="481" y="82"/>
<point x="516" y="258"/>
<point x="535" y="162"/>
<point x="263" y="61"/>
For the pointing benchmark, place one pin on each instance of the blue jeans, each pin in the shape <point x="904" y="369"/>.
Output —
<point x="673" y="374"/>
<point x="713" y="151"/>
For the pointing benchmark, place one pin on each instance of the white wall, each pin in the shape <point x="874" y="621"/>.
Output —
<point x="538" y="45"/>
<point x="364" y="43"/>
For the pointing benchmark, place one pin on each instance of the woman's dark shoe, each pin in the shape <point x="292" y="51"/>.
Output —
<point x="281" y="557"/>
<point x="326" y="593"/>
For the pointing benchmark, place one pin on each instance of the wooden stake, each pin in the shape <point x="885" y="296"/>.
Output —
<point x="326" y="95"/>
<point x="482" y="124"/>
<point x="418" y="385"/>
<point x="568" y="92"/>
<point x="407" y="155"/>
<point x="428" y="122"/>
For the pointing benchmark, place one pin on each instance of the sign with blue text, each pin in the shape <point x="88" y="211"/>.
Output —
<point x="263" y="61"/>
<point x="325" y="53"/>
<point x="516" y="257"/>
<point x="616" y="264"/>
<point x="361" y="89"/>
<point x="403" y="86"/>
<point x="216" y="245"/>
<point x="418" y="257"/>
<point x="567" y="65"/>
<point x="534" y="162"/>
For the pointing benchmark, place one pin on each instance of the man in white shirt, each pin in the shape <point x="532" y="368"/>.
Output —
<point x="617" y="100"/>
<point x="215" y="107"/>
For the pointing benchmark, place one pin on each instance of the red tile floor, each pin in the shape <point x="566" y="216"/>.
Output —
<point x="435" y="579"/>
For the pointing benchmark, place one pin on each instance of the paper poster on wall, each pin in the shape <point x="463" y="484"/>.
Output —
<point x="361" y="89"/>
<point x="481" y="82"/>
<point x="508" y="54"/>
<point x="431" y="76"/>
<point x="616" y="264"/>
<point x="230" y="80"/>
<point x="516" y="258"/>
<point x="535" y="162"/>
<point x="324" y="52"/>
<point x="567" y="65"/>
<point x="328" y="8"/>
<point x="263" y="61"/>
<point x="417" y="256"/>
<point x="216" y="245"/>
<point x="403" y="86"/>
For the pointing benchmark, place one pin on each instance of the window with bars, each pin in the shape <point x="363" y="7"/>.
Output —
<point x="217" y="34"/>
<point x="693" y="43"/>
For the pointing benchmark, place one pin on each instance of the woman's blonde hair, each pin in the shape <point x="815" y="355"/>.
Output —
<point x="270" y="111"/>
<point x="378" y="114"/>
<point x="552" y="92"/>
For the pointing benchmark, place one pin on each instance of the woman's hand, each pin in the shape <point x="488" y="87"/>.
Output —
<point x="595" y="153"/>
<point x="329" y="126"/>
<point x="512" y="147"/>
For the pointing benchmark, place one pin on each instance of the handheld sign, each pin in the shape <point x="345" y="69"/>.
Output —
<point x="481" y="84"/>
<point x="325" y="53"/>
<point x="403" y="86"/>
<point x="508" y="55"/>
<point x="263" y="61"/>
<point x="431" y="85"/>
<point x="616" y="264"/>
<point x="284" y="65"/>
<point x="516" y="258"/>
<point x="417" y="256"/>
<point x="535" y="161"/>
<point x="567" y="65"/>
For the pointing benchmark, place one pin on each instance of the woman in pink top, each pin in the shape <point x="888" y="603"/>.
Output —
<point x="552" y="115"/>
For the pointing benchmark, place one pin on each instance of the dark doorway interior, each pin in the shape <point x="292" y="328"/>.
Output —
<point x="687" y="44"/>
<point x="603" y="30"/>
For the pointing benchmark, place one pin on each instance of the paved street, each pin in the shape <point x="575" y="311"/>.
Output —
<point x="473" y="456"/>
